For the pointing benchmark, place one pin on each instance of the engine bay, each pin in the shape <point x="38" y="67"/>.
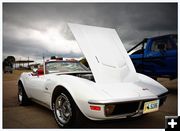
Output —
<point x="86" y="75"/>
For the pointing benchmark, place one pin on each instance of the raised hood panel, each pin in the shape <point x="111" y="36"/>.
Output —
<point x="105" y="54"/>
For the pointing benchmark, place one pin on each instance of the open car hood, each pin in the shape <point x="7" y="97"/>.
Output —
<point x="105" y="53"/>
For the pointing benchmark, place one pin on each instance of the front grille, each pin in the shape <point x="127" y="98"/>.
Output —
<point x="125" y="108"/>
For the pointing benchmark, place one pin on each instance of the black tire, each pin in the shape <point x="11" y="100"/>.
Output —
<point x="76" y="117"/>
<point x="22" y="96"/>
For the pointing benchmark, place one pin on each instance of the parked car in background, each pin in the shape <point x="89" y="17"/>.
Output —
<point x="156" y="56"/>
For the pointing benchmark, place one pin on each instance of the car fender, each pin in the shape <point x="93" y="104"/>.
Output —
<point x="155" y="87"/>
<point x="23" y="78"/>
<point x="81" y="90"/>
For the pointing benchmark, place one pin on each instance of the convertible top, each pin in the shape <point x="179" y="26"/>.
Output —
<point x="105" y="54"/>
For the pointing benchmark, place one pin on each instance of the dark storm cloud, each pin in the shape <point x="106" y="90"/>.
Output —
<point x="132" y="21"/>
<point x="160" y="17"/>
<point x="18" y="47"/>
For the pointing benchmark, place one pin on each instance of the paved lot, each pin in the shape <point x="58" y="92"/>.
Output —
<point x="36" y="116"/>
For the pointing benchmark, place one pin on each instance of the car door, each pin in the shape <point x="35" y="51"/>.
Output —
<point x="161" y="57"/>
<point x="36" y="86"/>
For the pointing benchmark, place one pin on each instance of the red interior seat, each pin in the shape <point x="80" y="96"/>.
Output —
<point x="40" y="72"/>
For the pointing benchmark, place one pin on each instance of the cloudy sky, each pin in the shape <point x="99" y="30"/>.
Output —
<point x="41" y="29"/>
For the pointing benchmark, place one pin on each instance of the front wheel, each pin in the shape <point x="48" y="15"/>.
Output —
<point x="66" y="112"/>
<point x="22" y="97"/>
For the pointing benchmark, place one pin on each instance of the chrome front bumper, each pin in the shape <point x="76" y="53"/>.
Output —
<point x="127" y="106"/>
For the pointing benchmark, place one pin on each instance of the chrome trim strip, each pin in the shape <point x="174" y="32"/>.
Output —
<point x="139" y="108"/>
<point x="103" y="102"/>
<point x="122" y="115"/>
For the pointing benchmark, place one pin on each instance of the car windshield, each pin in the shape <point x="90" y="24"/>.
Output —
<point x="64" y="66"/>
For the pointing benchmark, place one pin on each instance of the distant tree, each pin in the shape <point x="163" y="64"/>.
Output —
<point x="5" y="63"/>
<point x="53" y="57"/>
<point x="7" y="66"/>
<point x="11" y="59"/>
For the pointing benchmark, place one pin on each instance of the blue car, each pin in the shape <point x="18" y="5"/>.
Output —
<point x="156" y="56"/>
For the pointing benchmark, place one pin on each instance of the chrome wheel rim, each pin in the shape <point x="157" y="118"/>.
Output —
<point x="63" y="109"/>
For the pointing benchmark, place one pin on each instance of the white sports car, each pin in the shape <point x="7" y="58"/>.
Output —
<point x="111" y="90"/>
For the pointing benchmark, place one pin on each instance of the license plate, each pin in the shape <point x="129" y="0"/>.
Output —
<point x="151" y="106"/>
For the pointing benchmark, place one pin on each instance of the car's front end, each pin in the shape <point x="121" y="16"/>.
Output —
<point x="104" y="110"/>
<point x="122" y="100"/>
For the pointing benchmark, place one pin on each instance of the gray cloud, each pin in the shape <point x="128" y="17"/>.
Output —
<point x="28" y="28"/>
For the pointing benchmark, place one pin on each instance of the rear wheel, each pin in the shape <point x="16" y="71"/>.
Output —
<point x="66" y="112"/>
<point x="22" y="97"/>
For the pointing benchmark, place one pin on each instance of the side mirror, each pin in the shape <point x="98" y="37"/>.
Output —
<point x="161" y="46"/>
